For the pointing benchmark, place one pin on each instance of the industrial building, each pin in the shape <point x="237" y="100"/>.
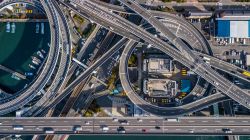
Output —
<point x="158" y="65"/>
<point x="248" y="60"/>
<point x="233" y="25"/>
<point x="160" y="87"/>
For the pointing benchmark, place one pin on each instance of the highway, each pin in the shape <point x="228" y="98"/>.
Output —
<point x="156" y="110"/>
<point x="27" y="94"/>
<point x="86" y="73"/>
<point x="225" y="66"/>
<point x="198" y="67"/>
<point x="134" y="125"/>
<point x="64" y="65"/>
<point x="214" y="78"/>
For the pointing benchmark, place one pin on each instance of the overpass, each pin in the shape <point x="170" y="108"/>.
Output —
<point x="197" y="66"/>
<point x="85" y="74"/>
<point x="131" y="125"/>
<point x="24" y="96"/>
<point x="216" y="79"/>
<point x="60" y="78"/>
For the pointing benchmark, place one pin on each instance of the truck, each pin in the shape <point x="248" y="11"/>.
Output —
<point x="48" y="130"/>
<point x="105" y="128"/>
<point x="172" y="119"/>
<point x="17" y="127"/>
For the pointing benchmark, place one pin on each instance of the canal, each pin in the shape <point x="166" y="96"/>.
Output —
<point x="18" y="48"/>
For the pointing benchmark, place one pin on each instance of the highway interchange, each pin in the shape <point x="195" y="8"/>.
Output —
<point x="61" y="43"/>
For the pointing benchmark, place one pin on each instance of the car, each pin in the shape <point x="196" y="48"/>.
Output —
<point x="87" y="122"/>
<point x="123" y="122"/>
<point x="115" y="120"/>
<point x="157" y="127"/>
<point x="139" y="120"/>
<point x="191" y="131"/>
<point x="121" y="129"/>
<point x="144" y="130"/>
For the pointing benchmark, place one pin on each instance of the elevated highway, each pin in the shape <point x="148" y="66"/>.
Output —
<point x="134" y="125"/>
<point x="64" y="65"/>
<point x="198" y="67"/>
<point x="85" y="74"/>
<point x="26" y="95"/>
<point x="156" y="110"/>
<point x="214" y="78"/>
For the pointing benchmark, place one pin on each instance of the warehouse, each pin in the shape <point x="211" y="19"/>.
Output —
<point x="233" y="25"/>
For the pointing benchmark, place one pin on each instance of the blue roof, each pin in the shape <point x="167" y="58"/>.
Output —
<point x="223" y="28"/>
<point x="249" y="28"/>
<point x="185" y="85"/>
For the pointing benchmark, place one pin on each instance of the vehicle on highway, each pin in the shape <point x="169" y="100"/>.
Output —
<point x="139" y="120"/>
<point x="105" y="128"/>
<point x="227" y="130"/>
<point x="124" y="122"/>
<point x="172" y="119"/>
<point x="17" y="127"/>
<point x="115" y="120"/>
<point x="48" y="130"/>
<point x="87" y="122"/>
<point x="191" y="131"/>
<point x="157" y="127"/>
<point x="77" y="128"/>
<point x="121" y="129"/>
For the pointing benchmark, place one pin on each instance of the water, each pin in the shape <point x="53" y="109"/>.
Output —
<point x="244" y="137"/>
<point x="79" y="137"/>
<point x="16" y="50"/>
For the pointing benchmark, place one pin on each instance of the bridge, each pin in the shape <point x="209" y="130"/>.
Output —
<point x="118" y="22"/>
<point x="130" y="125"/>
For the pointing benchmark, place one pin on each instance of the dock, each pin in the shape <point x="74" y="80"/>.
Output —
<point x="12" y="72"/>
<point x="23" y="20"/>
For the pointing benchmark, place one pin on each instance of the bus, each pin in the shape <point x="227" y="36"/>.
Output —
<point x="18" y="127"/>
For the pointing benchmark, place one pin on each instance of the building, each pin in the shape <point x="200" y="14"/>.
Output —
<point x="158" y="65"/>
<point x="233" y="25"/>
<point x="185" y="85"/>
<point x="248" y="60"/>
<point x="159" y="87"/>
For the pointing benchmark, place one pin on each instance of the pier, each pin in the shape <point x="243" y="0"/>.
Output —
<point x="23" y="20"/>
<point x="12" y="72"/>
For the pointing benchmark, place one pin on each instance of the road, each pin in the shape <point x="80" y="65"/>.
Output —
<point x="86" y="73"/>
<point x="26" y="95"/>
<point x="198" y="67"/>
<point x="62" y="72"/>
<point x="134" y="125"/>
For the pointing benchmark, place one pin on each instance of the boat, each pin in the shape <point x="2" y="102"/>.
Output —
<point x="35" y="62"/>
<point x="37" y="28"/>
<point x="25" y="85"/>
<point x="13" y="28"/>
<point x="28" y="73"/>
<point x="43" y="51"/>
<point x="40" y="54"/>
<point x="42" y="28"/>
<point x="31" y="66"/>
<point x="8" y="27"/>
<point x="36" y="59"/>
<point x="15" y="77"/>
